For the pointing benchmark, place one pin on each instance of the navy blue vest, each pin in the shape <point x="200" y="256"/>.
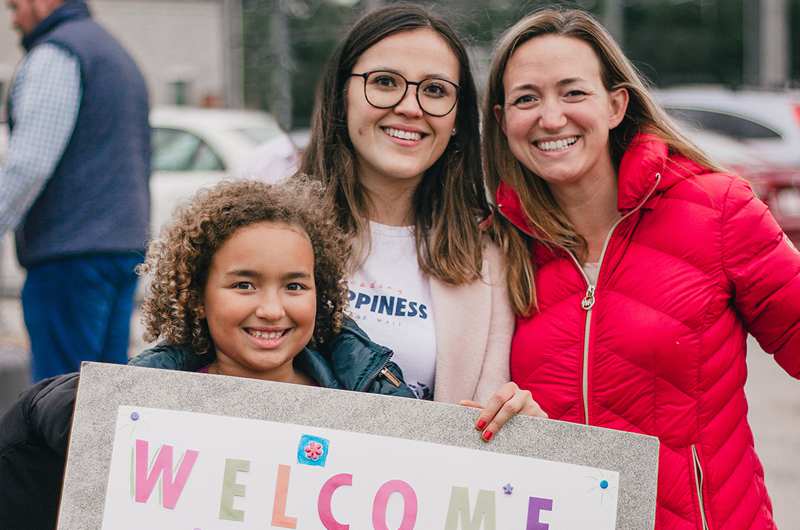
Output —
<point x="98" y="198"/>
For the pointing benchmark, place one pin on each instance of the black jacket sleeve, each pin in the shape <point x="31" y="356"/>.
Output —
<point x="34" y="434"/>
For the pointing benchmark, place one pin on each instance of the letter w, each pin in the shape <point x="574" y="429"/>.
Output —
<point x="162" y="468"/>
<point x="482" y="517"/>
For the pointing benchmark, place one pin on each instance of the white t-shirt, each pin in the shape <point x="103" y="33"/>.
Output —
<point x="390" y="298"/>
<point x="592" y="270"/>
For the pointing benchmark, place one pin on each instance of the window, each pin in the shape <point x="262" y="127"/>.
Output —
<point x="728" y="124"/>
<point x="260" y="135"/>
<point x="176" y="150"/>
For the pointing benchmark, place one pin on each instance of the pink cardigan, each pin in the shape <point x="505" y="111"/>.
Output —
<point x="474" y="324"/>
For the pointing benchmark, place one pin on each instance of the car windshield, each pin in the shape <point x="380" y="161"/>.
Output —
<point x="725" y="123"/>
<point x="176" y="150"/>
<point x="261" y="134"/>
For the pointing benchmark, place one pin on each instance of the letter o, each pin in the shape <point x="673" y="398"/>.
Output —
<point x="382" y="500"/>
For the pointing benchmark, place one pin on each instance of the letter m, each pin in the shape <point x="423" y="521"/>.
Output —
<point x="459" y="516"/>
<point x="145" y="480"/>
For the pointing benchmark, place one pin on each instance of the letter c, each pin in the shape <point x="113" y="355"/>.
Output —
<point x="324" y="501"/>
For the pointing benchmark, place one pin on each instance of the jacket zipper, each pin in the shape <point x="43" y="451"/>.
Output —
<point x="698" y="483"/>
<point x="587" y="303"/>
<point x="385" y="372"/>
<point x="589" y="299"/>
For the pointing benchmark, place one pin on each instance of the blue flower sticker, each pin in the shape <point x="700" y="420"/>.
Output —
<point x="312" y="450"/>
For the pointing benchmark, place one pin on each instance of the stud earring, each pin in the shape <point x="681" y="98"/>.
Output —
<point x="453" y="132"/>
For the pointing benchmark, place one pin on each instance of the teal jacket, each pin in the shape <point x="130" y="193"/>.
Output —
<point x="353" y="362"/>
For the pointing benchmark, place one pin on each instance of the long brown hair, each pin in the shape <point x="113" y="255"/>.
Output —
<point x="450" y="199"/>
<point x="543" y="213"/>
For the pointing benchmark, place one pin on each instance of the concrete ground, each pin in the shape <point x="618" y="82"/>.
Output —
<point x="774" y="411"/>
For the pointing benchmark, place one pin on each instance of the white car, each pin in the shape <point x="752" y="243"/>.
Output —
<point x="195" y="148"/>
<point x="767" y="121"/>
<point x="192" y="148"/>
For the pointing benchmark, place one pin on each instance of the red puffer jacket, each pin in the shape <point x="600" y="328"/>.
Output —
<point x="658" y="345"/>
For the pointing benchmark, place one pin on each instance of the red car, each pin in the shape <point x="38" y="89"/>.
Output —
<point x="777" y="186"/>
<point x="780" y="189"/>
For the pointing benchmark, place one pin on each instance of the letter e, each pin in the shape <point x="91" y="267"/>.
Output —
<point x="400" y="307"/>
<point x="232" y="489"/>
<point x="536" y="505"/>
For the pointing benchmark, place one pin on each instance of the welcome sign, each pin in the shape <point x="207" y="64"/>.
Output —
<point x="187" y="470"/>
<point x="170" y="450"/>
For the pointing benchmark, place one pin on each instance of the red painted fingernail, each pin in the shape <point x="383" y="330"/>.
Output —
<point x="487" y="435"/>
<point x="480" y="425"/>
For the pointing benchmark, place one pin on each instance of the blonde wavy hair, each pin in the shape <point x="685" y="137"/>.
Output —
<point x="179" y="260"/>
<point x="551" y="224"/>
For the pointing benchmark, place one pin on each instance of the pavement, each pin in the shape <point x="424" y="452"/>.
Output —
<point x="774" y="415"/>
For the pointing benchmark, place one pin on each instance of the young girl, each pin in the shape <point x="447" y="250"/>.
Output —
<point x="249" y="281"/>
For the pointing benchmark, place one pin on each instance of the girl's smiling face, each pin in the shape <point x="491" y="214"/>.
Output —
<point x="260" y="301"/>
<point x="399" y="144"/>
<point x="558" y="113"/>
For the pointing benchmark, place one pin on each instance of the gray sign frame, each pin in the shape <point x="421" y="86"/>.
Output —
<point x="105" y="387"/>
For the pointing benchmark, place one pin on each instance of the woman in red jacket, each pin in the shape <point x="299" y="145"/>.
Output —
<point x="637" y="267"/>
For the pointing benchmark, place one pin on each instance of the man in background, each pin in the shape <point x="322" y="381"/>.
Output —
<point x="74" y="184"/>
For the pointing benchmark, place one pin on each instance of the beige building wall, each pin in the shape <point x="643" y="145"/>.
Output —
<point x="171" y="40"/>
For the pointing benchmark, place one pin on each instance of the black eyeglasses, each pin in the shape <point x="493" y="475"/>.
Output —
<point x="384" y="90"/>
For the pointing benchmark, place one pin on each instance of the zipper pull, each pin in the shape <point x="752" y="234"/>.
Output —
<point x="588" y="300"/>
<point x="385" y="372"/>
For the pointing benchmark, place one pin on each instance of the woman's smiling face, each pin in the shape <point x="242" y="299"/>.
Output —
<point x="397" y="145"/>
<point x="558" y="113"/>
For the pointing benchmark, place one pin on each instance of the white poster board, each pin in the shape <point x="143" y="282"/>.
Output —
<point x="173" y="469"/>
<point x="165" y="450"/>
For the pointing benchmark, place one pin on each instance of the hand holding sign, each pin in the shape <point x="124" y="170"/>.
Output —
<point x="502" y="406"/>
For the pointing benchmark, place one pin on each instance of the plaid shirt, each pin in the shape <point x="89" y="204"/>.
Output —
<point x="46" y="96"/>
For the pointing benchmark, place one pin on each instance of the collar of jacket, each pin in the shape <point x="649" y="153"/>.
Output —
<point x="354" y="360"/>
<point x="353" y="363"/>
<point x="69" y="10"/>
<point x="646" y="157"/>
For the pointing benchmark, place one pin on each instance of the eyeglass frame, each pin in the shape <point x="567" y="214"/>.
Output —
<point x="366" y="75"/>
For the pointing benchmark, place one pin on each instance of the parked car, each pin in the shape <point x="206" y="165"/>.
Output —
<point x="192" y="148"/>
<point x="767" y="121"/>
<point x="778" y="187"/>
<point x="3" y="141"/>
<point x="195" y="148"/>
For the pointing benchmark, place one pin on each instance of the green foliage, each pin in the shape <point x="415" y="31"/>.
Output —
<point x="686" y="42"/>
<point x="794" y="40"/>
<point x="314" y="40"/>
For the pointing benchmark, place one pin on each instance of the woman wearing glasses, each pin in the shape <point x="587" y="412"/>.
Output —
<point x="395" y="141"/>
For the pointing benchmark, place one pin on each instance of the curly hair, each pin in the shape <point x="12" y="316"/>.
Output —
<point x="179" y="260"/>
